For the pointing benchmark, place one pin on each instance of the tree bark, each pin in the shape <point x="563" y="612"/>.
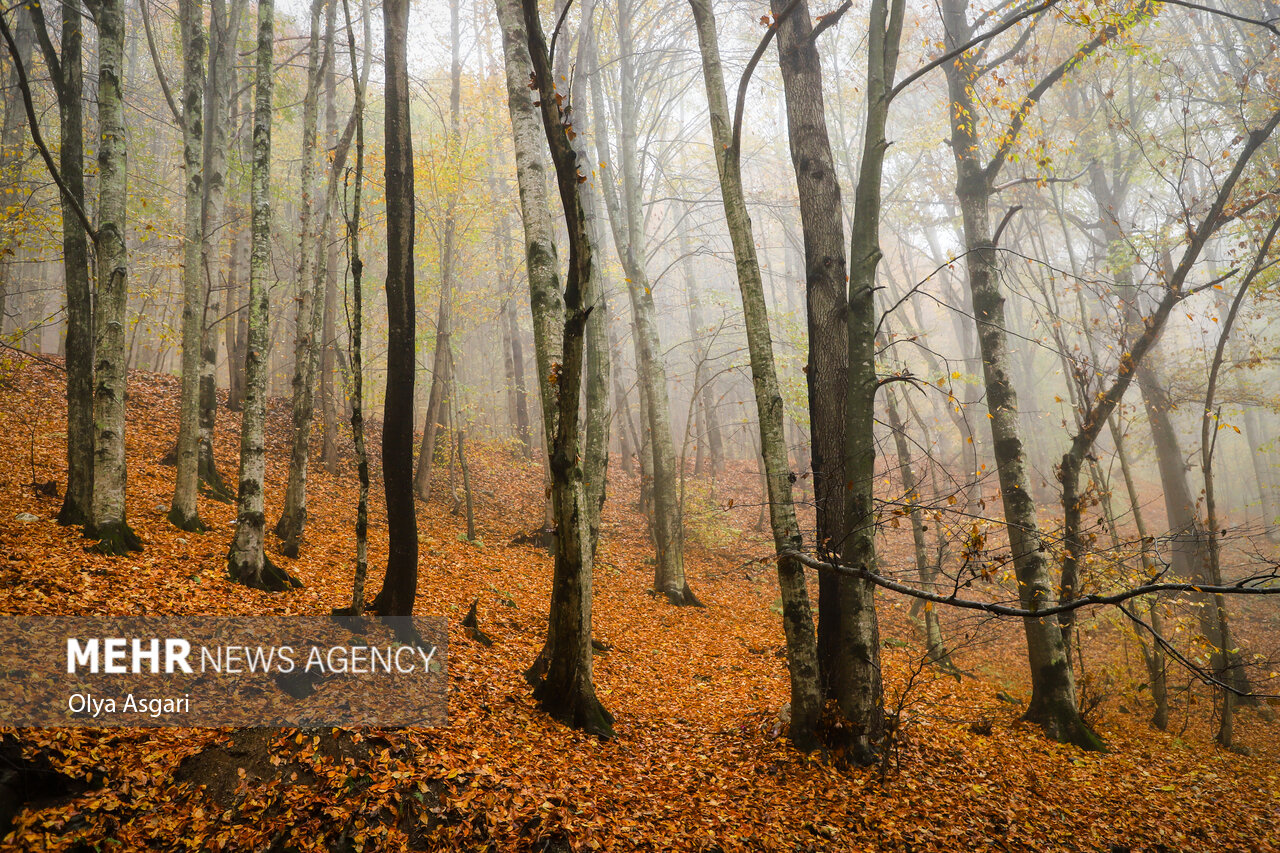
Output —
<point x="797" y="617"/>
<point x="247" y="561"/>
<point x="562" y="674"/>
<point x="626" y="217"/>
<point x="107" y="521"/>
<point x="400" y="587"/>
<point x="1053" y="699"/>
<point x="224" y="33"/>
<point x="184" y="512"/>
<point x="77" y="504"/>
<point x="438" y="401"/>
<point x="328" y="329"/>
<point x="306" y="351"/>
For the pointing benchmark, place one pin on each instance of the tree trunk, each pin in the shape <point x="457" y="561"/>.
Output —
<point x="77" y="504"/>
<point x="926" y="571"/>
<point x="797" y="617"/>
<point x="438" y="401"/>
<point x="328" y="329"/>
<point x="1053" y="699"/>
<point x="521" y="395"/>
<point x="400" y="587"/>
<point x="704" y="389"/>
<point x="11" y="142"/>
<point x="107" y="521"/>
<point x="598" y="358"/>
<point x="306" y="351"/>
<point x="183" y="511"/>
<point x="224" y="33"/>
<point x="626" y="217"/>
<point x="840" y="401"/>
<point x="247" y="561"/>
<point x="562" y="675"/>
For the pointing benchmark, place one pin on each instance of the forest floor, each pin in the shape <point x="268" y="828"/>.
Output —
<point x="697" y="764"/>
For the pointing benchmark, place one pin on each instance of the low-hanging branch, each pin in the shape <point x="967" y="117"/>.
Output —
<point x="1247" y="586"/>
<point x="36" y="137"/>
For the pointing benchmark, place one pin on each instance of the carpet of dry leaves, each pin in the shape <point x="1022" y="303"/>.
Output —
<point x="697" y="764"/>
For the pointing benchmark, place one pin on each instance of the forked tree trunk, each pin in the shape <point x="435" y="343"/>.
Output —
<point x="107" y="521"/>
<point x="797" y="617"/>
<point x="841" y="394"/>
<point x="247" y="561"/>
<point x="562" y="675"/>
<point x="184" y="512"/>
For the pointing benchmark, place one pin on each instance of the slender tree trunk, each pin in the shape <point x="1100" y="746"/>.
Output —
<point x="107" y="521"/>
<point x="247" y="561"/>
<point x="1152" y="653"/>
<point x="328" y="331"/>
<point x="355" y="612"/>
<point x="1053" y="699"/>
<point x="598" y="366"/>
<point x="704" y="390"/>
<point x="442" y="367"/>
<point x="11" y="146"/>
<point x="926" y="571"/>
<point x="224" y="32"/>
<point x="521" y="395"/>
<point x="400" y="587"/>
<point x="184" y="512"/>
<point x="626" y="217"/>
<point x="76" y="506"/>
<point x="802" y="651"/>
<point x="306" y="351"/>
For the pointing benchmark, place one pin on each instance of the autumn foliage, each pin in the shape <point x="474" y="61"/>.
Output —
<point x="701" y="761"/>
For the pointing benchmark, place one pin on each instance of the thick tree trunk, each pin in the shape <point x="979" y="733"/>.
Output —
<point x="400" y="587"/>
<point x="247" y="561"/>
<point x="802" y="652"/>
<point x="306" y="351"/>
<point x="107" y="520"/>
<point x="841" y="400"/>
<point x="183" y="511"/>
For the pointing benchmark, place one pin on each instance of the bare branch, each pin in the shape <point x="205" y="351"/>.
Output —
<point x="37" y="138"/>
<point x="1247" y="586"/>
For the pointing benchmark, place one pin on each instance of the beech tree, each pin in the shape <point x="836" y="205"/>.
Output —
<point x="247" y="561"/>
<point x="400" y="586"/>
<point x="183" y="512"/>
